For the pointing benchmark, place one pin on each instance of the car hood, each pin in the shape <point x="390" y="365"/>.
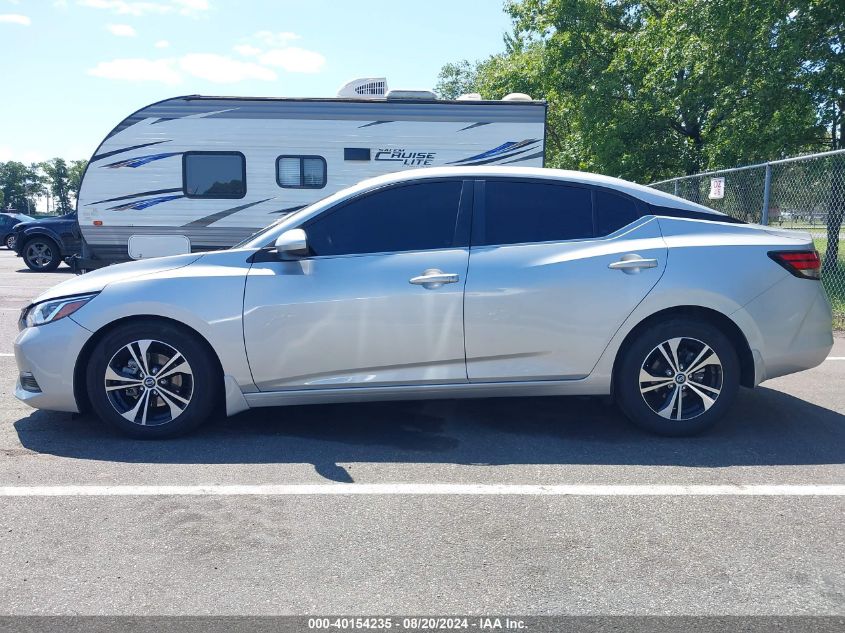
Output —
<point x="96" y="280"/>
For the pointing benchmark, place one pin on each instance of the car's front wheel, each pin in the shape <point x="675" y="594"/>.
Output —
<point x="151" y="380"/>
<point x="677" y="377"/>
<point x="41" y="254"/>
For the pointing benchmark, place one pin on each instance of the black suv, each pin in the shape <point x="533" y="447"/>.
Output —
<point x="43" y="244"/>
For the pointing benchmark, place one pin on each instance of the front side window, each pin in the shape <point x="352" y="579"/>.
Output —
<point x="517" y="212"/>
<point x="301" y="172"/>
<point x="405" y="218"/>
<point x="214" y="174"/>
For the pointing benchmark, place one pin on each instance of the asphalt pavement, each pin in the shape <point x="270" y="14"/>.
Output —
<point x="424" y="552"/>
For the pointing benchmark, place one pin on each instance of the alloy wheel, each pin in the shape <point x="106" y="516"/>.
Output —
<point x="149" y="383"/>
<point x="10" y="242"/>
<point x="681" y="378"/>
<point x="39" y="254"/>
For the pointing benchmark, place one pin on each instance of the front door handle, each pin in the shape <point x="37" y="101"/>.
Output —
<point x="434" y="278"/>
<point x="632" y="263"/>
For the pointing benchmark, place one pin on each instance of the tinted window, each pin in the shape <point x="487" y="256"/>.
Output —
<point x="613" y="212"/>
<point x="214" y="175"/>
<point x="301" y="172"/>
<point x="409" y="218"/>
<point x="519" y="212"/>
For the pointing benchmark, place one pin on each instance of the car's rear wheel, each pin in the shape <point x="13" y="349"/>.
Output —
<point x="677" y="377"/>
<point x="151" y="380"/>
<point x="10" y="241"/>
<point x="41" y="254"/>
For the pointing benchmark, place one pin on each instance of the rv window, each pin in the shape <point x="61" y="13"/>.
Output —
<point x="301" y="172"/>
<point x="214" y="174"/>
<point x="408" y="218"/>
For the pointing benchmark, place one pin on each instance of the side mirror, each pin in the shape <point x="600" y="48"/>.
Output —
<point x="292" y="244"/>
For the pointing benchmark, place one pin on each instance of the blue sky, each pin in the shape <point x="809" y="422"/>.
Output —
<point x="72" y="69"/>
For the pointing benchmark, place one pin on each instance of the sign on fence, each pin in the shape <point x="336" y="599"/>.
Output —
<point x="717" y="188"/>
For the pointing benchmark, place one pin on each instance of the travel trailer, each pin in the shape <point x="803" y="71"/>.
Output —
<point x="200" y="173"/>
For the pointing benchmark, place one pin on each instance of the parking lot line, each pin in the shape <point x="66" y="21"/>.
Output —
<point x="835" y="358"/>
<point x="575" y="490"/>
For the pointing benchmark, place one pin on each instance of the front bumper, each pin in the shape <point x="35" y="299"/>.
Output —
<point x="49" y="353"/>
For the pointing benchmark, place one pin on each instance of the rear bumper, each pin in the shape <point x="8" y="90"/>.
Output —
<point x="49" y="353"/>
<point x="789" y="328"/>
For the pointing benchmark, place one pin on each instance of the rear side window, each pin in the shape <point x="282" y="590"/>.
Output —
<point x="613" y="212"/>
<point x="518" y="212"/>
<point x="301" y="172"/>
<point x="214" y="174"/>
<point x="407" y="218"/>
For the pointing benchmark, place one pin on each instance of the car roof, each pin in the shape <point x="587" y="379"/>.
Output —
<point x="641" y="192"/>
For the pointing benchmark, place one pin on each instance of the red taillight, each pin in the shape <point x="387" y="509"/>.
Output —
<point x="804" y="264"/>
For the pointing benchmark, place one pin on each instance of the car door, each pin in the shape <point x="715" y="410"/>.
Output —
<point x="377" y="301"/>
<point x="555" y="269"/>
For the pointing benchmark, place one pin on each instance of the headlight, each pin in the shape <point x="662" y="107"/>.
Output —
<point x="53" y="310"/>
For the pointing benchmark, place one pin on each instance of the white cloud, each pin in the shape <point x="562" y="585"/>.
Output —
<point x="121" y="30"/>
<point x="246" y="50"/>
<point x="294" y="60"/>
<point x="221" y="69"/>
<point x="282" y="38"/>
<point x="162" y="44"/>
<point x="26" y="157"/>
<point x="15" y="18"/>
<point x="138" y="69"/>
<point x="145" y="7"/>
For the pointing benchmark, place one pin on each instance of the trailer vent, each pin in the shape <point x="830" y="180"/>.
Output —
<point x="364" y="88"/>
<point x="427" y="95"/>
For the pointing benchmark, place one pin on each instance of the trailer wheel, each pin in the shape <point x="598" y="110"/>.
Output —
<point x="41" y="254"/>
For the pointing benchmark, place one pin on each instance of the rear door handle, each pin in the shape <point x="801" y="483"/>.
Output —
<point x="434" y="278"/>
<point x="632" y="263"/>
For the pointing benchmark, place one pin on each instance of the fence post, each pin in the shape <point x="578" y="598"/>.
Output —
<point x="767" y="191"/>
<point x="677" y="188"/>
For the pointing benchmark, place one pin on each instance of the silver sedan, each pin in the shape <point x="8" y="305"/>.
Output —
<point x="441" y="283"/>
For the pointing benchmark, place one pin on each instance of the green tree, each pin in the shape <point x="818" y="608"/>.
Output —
<point x="58" y="179"/>
<point x="645" y="90"/>
<point x="21" y="185"/>
<point x="75" y="171"/>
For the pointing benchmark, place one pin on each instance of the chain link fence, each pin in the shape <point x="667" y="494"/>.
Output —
<point x="805" y="193"/>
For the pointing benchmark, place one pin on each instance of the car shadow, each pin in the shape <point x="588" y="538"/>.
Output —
<point x="765" y="427"/>
<point x="61" y="270"/>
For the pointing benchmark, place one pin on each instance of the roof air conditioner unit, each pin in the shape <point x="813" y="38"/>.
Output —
<point x="470" y="96"/>
<point x="411" y="94"/>
<point x="517" y="96"/>
<point x="364" y="88"/>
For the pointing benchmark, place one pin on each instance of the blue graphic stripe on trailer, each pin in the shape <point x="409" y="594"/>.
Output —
<point x="498" y="158"/>
<point x="519" y="160"/>
<point x="496" y="151"/>
<point x="125" y="149"/>
<point x="140" y="194"/>
<point x="214" y="217"/>
<point x="138" y="161"/>
<point x="374" y="123"/>
<point x="479" y="124"/>
<point x="143" y="204"/>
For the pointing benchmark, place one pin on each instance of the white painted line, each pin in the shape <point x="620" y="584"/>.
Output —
<point x="835" y="358"/>
<point x="4" y="354"/>
<point x="577" y="490"/>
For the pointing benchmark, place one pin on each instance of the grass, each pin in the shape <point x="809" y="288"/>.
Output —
<point x="834" y="283"/>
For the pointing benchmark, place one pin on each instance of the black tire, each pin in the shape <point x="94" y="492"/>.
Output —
<point x="198" y="387"/>
<point x="41" y="254"/>
<point x="709" y="391"/>
<point x="9" y="241"/>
